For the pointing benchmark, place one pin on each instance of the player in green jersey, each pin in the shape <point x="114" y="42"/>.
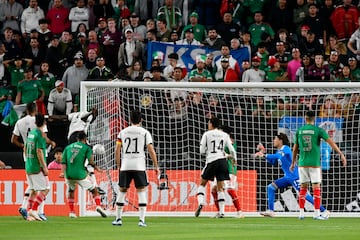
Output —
<point x="35" y="166"/>
<point x="307" y="144"/>
<point x="73" y="166"/>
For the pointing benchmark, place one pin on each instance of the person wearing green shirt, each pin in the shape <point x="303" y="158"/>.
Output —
<point x="35" y="166"/>
<point x="200" y="74"/>
<point x="46" y="79"/>
<point x="199" y="30"/>
<point x="274" y="73"/>
<point x="230" y="185"/>
<point x="29" y="89"/>
<point x="259" y="29"/>
<point x="307" y="146"/>
<point x="73" y="162"/>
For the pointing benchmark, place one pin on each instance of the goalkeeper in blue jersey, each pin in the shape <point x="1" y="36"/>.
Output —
<point x="283" y="157"/>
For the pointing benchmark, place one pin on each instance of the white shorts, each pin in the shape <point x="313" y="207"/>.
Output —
<point x="309" y="174"/>
<point x="228" y="184"/>
<point x="84" y="183"/>
<point x="38" y="182"/>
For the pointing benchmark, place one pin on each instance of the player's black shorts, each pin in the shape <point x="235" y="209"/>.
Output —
<point x="140" y="179"/>
<point x="218" y="169"/>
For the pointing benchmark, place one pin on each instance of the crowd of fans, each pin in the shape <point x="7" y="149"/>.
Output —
<point x="48" y="48"/>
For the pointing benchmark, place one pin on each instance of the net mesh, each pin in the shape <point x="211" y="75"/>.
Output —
<point x="177" y="118"/>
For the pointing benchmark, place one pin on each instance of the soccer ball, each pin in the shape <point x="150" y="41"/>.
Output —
<point x="98" y="149"/>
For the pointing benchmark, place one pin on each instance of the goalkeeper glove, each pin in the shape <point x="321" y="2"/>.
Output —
<point x="259" y="155"/>
<point x="261" y="148"/>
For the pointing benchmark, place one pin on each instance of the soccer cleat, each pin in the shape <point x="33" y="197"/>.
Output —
<point x="198" y="210"/>
<point x="217" y="215"/>
<point x="319" y="218"/>
<point x="325" y="214"/>
<point x="301" y="217"/>
<point x="35" y="215"/>
<point x="221" y="216"/>
<point x="72" y="215"/>
<point x="117" y="222"/>
<point x="239" y="214"/>
<point x="23" y="213"/>
<point x="30" y="218"/>
<point x="100" y="191"/>
<point x="267" y="214"/>
<point x="101" y="211"/>
<point x="142" y="224"/>
<point x="43" y="216"/>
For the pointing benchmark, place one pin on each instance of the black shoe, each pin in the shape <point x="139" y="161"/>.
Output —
<point x="100" y="191"/>
<point x="198" y="210"/>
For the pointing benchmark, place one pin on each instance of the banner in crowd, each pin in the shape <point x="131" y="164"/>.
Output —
<point x="187" y="53"/>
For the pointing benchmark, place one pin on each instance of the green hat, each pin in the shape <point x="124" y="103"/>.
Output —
<point x="194" y="14"/>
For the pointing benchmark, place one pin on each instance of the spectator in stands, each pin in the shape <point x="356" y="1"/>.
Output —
<point x="354" y="41"/>
<point x="111" y="40"/>
<point x="282" y="55"/>
<point x="15" y="68"/>
<point x="29" y="90"/>
<point x="280" y="16"/>
<point x="254" y="74"/>
<point x="45" y="34"/>
<point x="316" y="24"/>
<point x="53" y="56"/>
<point x="335" y="45"/>
<point x="92" y="16"/>
<point x="94" y="43"/>
<point x="150" y="24"/>
<point x="260" y="31"/>
<point x="260" y="109"/>
<point x="12" y="47"/>
<point x="252" y="7"/>
<point x="325" y="11"/>
<point x="60" y="100"/>
<point x="189" y="38"/>
<point x="345" y="75"/>
<point x="104" y="9"/>
<point x="209" y="14"/>
<point x="345" y="20"/>
<point x="169" y="69"/>
<point x="227" y="29"/>
<point x="300" y="11"/>
<point x="335" y="66"/>
<point x="281" y="109"/>
<point x="58" y="17"/>
<point x="171" y="14"/>
<point x="10" y="14"/>
<point x="46" y="79"/>
<point x="67" y="51"/>
<point x="120" y="11"/>
<point x="30" y="18"/>
<point x="137" y="27"/>
<point x="319" y="71"/>
<point x="147" y="9"/>
<point x="80" y="44"/>
<point x="275" y="73"/>
<point x="294" y="64"/>
<point x="90" y="60"/>
<point x="163" y="33"/>
<point x="134" y="73"/>
<point x="199" y="29"/>
<point x="311" y="46"/>
<point x="130" y="51"/>
<point x="73" y="75"/>
<point x="228" y="74"/>
<point x="79" y="14"/>
<point x="209" y="63"/>
<point x="263" y="54"/>
<point x="245" y="41"/>
<point x="225" y="53"/>
<point x="35" y="53"/>
<point x="200" y="74"/>
<point x="355" y="70"/>
<point x="125" y="24"/>
<point x="213" y="40"/>
<point x="2" y="67"/>
<point x="156" y="74"/>
<point x="56" y="163"/>
<point x="330" y="108"/>
<point x="302" y="74"/>
<point x="100" y="72"/>
<point x="102" y="27"/>
<point x="245" y="66"/>
<point x="288" y="39"/>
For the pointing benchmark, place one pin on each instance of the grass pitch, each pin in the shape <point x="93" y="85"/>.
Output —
<point x="166" y="228"/>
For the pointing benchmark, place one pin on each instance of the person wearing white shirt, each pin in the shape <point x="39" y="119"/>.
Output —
<point x="60" y="100"/>
<point x="212" y="145"/>
<point x="30" y="18"/>
<point x="189" y="38"/>
<point x="79" y="14"/>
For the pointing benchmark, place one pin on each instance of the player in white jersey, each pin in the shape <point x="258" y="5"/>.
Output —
<point x="22" y="127"/>
<point x="130" y="159"/>
<point x="213" y="144"/>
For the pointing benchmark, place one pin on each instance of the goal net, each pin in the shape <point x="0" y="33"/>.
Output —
<point x="176" y="114"/>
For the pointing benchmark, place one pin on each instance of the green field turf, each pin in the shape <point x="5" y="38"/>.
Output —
<point x="166" y="228"/>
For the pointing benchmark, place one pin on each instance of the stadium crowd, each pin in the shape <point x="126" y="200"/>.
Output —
<point x="48" y="48"/>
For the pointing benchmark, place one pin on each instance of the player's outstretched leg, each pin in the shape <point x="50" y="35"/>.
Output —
<point x="200" y="198"/>
<point x="271" y="198"/>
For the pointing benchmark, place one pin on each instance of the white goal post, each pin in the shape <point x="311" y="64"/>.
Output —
<point x="176" y="114"/>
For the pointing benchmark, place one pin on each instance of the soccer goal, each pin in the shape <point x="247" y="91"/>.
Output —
<point x="177" y="114"/>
